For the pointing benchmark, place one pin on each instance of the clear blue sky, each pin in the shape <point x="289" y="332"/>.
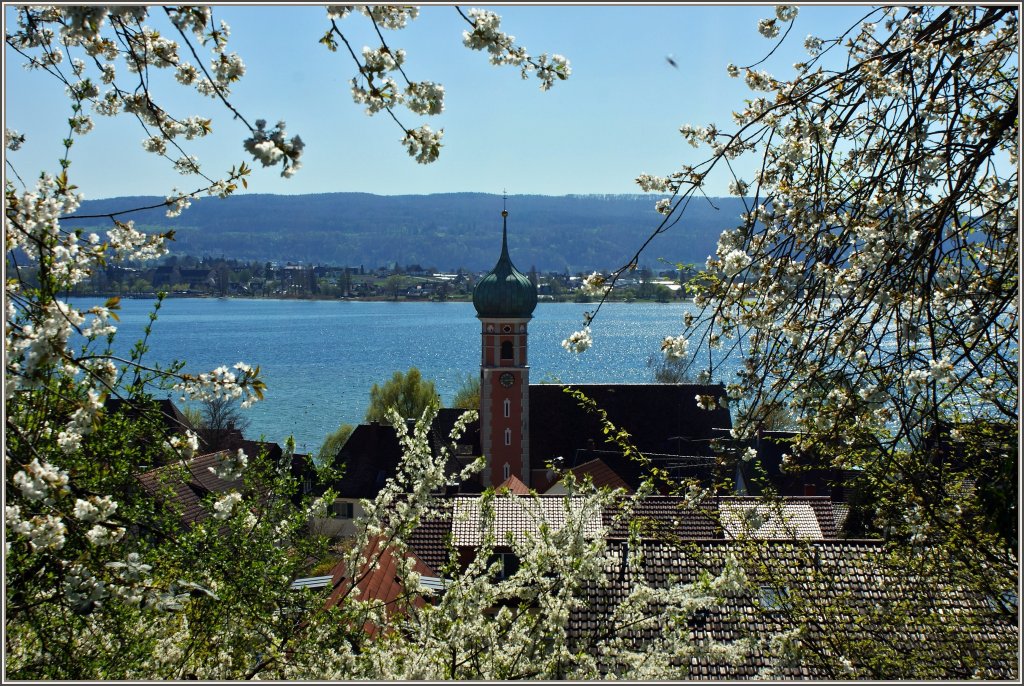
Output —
<point x="616" y="117"/>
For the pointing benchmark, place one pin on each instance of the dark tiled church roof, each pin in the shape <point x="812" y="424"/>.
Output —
<point x="661" y="419"/>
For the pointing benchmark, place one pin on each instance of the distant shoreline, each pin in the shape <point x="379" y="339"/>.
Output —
<point x="334" y="298"/>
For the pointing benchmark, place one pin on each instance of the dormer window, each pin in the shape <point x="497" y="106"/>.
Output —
<point x="772" y="598"/>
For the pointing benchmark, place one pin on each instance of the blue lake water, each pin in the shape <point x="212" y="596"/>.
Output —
<point x="319" y="358"/>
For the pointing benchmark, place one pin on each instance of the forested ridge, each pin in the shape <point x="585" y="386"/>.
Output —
<point x="447" y="230"/>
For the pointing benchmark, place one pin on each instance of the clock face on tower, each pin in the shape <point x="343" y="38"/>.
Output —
<point x="507" y="379"/>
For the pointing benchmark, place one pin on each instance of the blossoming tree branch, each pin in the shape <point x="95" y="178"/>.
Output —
<point x="103" y="580"/>
<point x="871" y="289"/>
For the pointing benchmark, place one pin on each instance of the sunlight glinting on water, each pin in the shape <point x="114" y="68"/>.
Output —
<point x="320" y="358"/>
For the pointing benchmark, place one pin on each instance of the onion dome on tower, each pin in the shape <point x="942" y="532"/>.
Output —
<point x="505" y="292"/>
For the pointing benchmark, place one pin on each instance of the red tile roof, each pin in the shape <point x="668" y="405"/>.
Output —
<point x="600" y="474"/>
<point x="514" y="486"/>
<point x="377" y="579"/>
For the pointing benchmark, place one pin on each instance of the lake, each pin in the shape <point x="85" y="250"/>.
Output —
<point x="319" y="358"/>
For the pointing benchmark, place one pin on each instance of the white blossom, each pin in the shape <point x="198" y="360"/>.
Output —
<point x="423" y="144"/>
<point x="738" y="187"/>
<point x="649" y="183"/>
<point x="38" y="479"/>
<point x="389" y="16"/>
<point x="226" y="504"/>
<point x="95" y="509"/>
<point x="768" y="28"/>
<point x="675" y="347"/>
<point x="176" y="204"/>
<point x="735" y="261"/>
<point x="425" y="98"/>
<point x="339" y="11"/>
<point x="594" y="285"/>
<point x="13" y="140"/>
<point x="786" y="12"/>
<point x="230" y="466"/>
<point x="186" y="446"/>
<point x="706" y="402"/>
<point x="100" y="535"/>
<point x="578" y="341"/>
<point x="83" y="590"/>
<point x="813" y="44"/>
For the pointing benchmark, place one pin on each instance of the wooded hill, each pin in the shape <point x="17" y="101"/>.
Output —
<point x="447" y="230"/>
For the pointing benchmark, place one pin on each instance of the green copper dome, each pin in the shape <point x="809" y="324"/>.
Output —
<point x="504" y="291"/>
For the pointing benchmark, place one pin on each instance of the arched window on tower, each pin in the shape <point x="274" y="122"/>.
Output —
<point x="508" y="436"/>
<point x="508" y="408"/>
<point x="506" y="350"/>
<point x="507" y="471"/>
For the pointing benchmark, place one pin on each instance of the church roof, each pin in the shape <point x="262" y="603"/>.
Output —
<point x="663" y="421"/>
<point x="505" y="291"/>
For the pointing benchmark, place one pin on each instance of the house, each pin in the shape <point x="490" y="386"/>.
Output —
<point x="371" y="456"/>
<point x="378" y="580"/>
<point x="799" y="573"/>
<point x="833" y="589"/>
<point x="182" y="487"/>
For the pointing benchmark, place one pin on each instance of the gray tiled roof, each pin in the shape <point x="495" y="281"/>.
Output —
<point x="665" y="517"/>
<point x="786" y="520"/>
<point x="841" y="586"/>
<point x="515" y="516"/>
<point x="803" y="517"/>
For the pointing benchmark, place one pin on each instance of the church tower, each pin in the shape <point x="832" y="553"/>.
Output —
<point x="504" y="300"/>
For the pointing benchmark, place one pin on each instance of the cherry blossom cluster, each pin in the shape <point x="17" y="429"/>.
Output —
<point x="222" y="383"/>
<point x="595" y="284"/>
<point x="378" y="87"/>
<point x="230" y="465"/>
<point x="122" y="49"/>
<point x="579" y="341"/>
<point x="423" y="144"/>
<point x="675" y="347"/>
<point x="272" y="147"/>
